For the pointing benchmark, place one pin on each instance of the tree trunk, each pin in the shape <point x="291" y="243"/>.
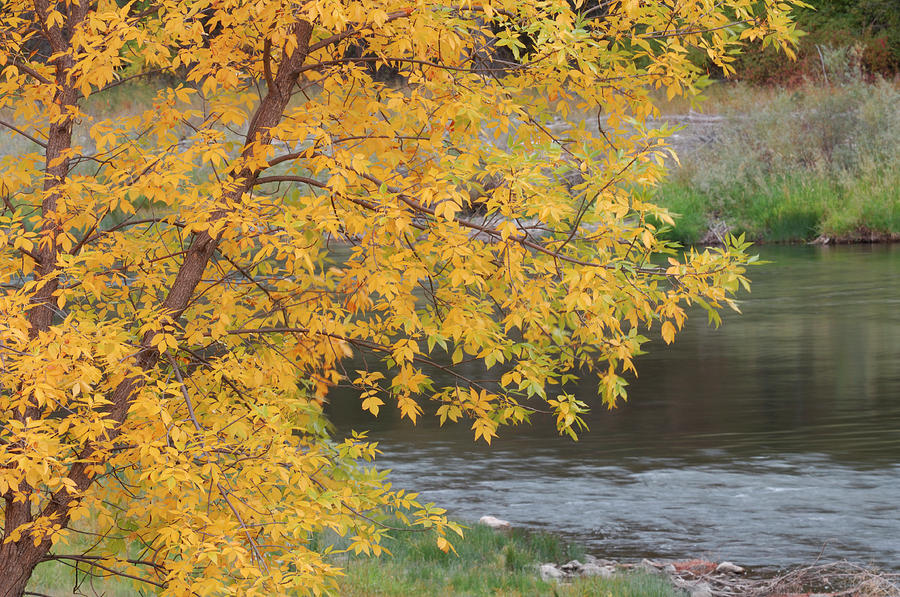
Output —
<point x="19" y="558"/>
<point x="17" y="561"/>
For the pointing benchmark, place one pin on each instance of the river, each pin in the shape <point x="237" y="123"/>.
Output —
<point x="772" y="440"/>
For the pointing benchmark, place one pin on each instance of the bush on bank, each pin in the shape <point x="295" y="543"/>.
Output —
<point x="862" y="34"/>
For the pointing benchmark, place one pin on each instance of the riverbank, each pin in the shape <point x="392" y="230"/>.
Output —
<point x="809" y="163"/>
<point x="521" y="563"/>
<point x="514" y="562"/>
<point x="488" y="562"/>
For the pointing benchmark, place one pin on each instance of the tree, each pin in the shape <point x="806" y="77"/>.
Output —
<point x="182" y="283"/>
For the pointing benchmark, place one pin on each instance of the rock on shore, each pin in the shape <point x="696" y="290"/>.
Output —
<point x="696" y="577"/>
<point x="494" y="523"/>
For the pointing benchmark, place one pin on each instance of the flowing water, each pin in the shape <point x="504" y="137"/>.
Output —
<point x="769" y="441"/>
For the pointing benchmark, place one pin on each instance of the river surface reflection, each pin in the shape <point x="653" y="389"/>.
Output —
<point x="767" y="442"/>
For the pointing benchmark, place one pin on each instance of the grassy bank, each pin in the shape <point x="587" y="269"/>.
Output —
<point x="488" y="563"/>
<point x="790" y="165"/>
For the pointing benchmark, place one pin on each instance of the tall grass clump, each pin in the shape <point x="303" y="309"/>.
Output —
<point x="793" y="165"/>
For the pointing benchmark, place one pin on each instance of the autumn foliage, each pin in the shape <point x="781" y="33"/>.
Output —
<point x="181" y="285"/>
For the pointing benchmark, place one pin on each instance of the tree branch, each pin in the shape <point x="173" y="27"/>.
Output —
<point x="22" y="66"/>
<point x="24" y="134"/>
<point x="339" y="37"/>
<point x="94" y="563"/>
<point x="289" y="178"/>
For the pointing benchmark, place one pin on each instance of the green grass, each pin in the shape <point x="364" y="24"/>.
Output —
<point x="775" y="210"/>
<point x="788" y="209"/>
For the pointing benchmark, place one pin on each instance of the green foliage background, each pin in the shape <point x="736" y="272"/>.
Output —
<point x="872" y="27"/>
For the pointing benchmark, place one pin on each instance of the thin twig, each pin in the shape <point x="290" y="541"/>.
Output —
<point x="23" y="133"/>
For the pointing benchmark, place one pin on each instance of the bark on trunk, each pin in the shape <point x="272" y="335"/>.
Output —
<point x="17" y="561"/>
<point x="18" y="558"/>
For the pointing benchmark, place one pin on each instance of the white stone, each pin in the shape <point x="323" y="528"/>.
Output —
<point x="599" y="561"/>
<point x="729" y="568"/>
<point x="551" y="572"/>
<point x="701" y="590"/>
<point x="591" y="569"/>
<point x="494" y="523"/>
<point x="572" y="567"/>
<point x="650" y="566"/>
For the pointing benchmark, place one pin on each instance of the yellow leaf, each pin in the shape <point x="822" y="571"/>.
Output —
<point x="443" y="544"/>
<point x="668" y="332"/>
